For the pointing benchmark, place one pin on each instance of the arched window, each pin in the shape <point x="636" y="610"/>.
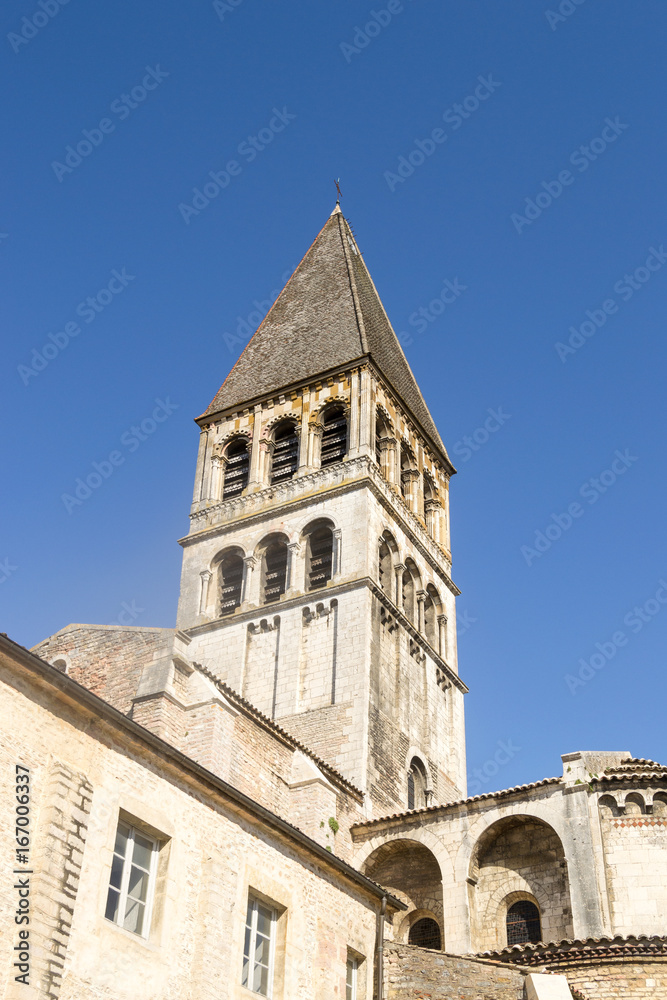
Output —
<point x="416" y="784"/>
<point x="425" y="933"/>
<point x="384" y="567"/>
<point x="382" y="432"/>
<point x="410" y="584"/>
<point x="334" y="436"/>
<point x="285" y="452"/>
<point x="432" y="609"/>
<point x="231" y="582"/>
<point x="320" y="557"/>
<point x="523" y="923"/>
<point x="237" y="468"/>
<point x="275" y="570"/>
<point x="406" y="470"/>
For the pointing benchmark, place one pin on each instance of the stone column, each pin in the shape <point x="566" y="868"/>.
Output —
<point x="198" y="492"/>
<point x="266" y="448"/>
<point x="254" y="480"/>
<point x="316" y="431"/>
<point x="250" y="584"/>
<point x="337" y="553"/>
<point x="366" y="443"/>
<point x="354" y="413"/>
<point x="432" y="514"/>
<point x="218" y="464"/>
<point x="205" y="576"/>
<point x="421" y="599"/>
<point x="442" y="636"/>
<point x="412" y="492"/>
<point x="207" y="467"/>
<point x="393" y="463"/>
<point x="291" y="582"/>
<point x="304" y="435"/>
<point x="399" y="569"/>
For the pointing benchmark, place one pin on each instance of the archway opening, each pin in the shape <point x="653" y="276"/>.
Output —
<point x="237" y="468"/>
<point x="410" y="871"/>
<point x="425" y="933"/>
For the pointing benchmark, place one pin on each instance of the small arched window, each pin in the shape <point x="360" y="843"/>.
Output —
<point x="237" y="468"/>
<point x="416" y="784"/>
<point x="406" y="470"/>
<point x="384" y="567"/>
<point x="409" y="591"/>
<point x="381" y="434"/>
<point x="523" y="923"/>
<point x="320" y="557"/>
<point x="231" y="582"/>
<point x="432" y="609"/>
<point x="285" y="452"/>
<point x="334" y="436"/>
<point x="275" y="571"/>
<point x="425" y="933"/>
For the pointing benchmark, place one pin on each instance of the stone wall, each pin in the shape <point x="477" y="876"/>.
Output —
<point x="632" y="980"/>
<point x="419" y="973"/>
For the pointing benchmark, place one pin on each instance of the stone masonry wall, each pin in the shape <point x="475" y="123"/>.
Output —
<point x="631" y="980"/>
<point x="413" y="973"/>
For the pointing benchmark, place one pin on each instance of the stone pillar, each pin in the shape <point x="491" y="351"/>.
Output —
<point x="442" y="636"/>
<point x="218" y="464"/>
<point x="205" y="576"/>
<point x="304" y="435"/>
<point x="337" y="553"/>
<point x="393" y="463"/>
<point x="291" y="582"/>
<point x="266" y="449"/>
<point x="421" y="599"/>
<point x="399" y="569"/>
<point x="250" y="584"/>
<point x="207" y="467"/>
<point x="316" y="431"/>
<point x="412" y="493"/>
<point x="198" y="492"/>
<point x="254" y="480"/>
<point x="354" y="413"/>
<point x="432" y="509"/>
<point x="366" y="443"/>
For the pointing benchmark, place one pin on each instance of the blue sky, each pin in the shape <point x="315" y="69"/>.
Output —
<point x="540" y="198"/>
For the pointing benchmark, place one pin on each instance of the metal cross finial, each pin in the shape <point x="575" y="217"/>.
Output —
<point x="337" y="183"/>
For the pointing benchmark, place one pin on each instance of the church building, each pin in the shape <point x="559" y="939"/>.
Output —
<point x="269" y="799"/>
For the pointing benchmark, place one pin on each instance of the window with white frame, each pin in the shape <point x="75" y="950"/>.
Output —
<point x="351" y="980"/>
<point x="259" y="947"/>
<point x="132" y="880"/>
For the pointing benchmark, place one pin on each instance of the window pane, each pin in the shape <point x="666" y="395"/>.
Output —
<point x="113" y="899"/>
<point x="138" y="884"/>
<point x="121" y="839"/>
<point x="264" y="920"/>
<point x="134" y="916"/>
<point x="116" y="872"/>
<point x="262" y="951"/>
<point x="261" y="980"/>
<point x="142" y="851"/>
<point x="246" y="943"/>
<point x="246" y="971"/>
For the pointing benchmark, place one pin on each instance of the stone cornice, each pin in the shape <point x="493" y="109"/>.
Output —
<point x="344" y="477"/>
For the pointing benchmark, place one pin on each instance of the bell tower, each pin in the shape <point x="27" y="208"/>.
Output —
<point x="316" y="574"/>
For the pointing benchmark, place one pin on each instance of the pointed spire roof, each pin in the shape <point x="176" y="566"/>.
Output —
<point x="328" y="315"/>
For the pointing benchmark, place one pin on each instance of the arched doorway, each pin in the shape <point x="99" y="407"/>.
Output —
<point x="411" y="871"/>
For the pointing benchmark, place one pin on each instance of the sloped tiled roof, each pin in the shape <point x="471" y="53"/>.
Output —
<point x="327" y="315"/>
<point x="576" y="950"/>
<point x="634" y="767"/>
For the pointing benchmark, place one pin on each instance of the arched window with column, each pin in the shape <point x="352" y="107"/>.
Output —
<point x="285" y="452"/>
<point x="432" y="611"/>
<point x="411" y="584"/>
<point x="274" y="568"/>
<point x="319" y="554"/>
<point x="384" y="568"/>
<point x="231" y="581"/>
<point x="383" y="436"/>
<point x="417" y="784"/>
<point x="334" y="435"/>
<point x="523" y="923"/>
<point x="237" y="468"/>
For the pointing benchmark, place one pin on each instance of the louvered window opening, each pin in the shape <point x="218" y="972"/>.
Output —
<point x="275" y="572"/>
<point x="523" y="923"/>
<point x="425" y="933"/>
<point x="321" y="558"/>
<point x="231" y="583"/>
<point x="334" y="439"/>
<point x="236" y="470"/>
<point x="285" y="455"/>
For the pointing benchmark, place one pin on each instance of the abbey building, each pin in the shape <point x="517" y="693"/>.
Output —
<point x="269" y="799"/>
